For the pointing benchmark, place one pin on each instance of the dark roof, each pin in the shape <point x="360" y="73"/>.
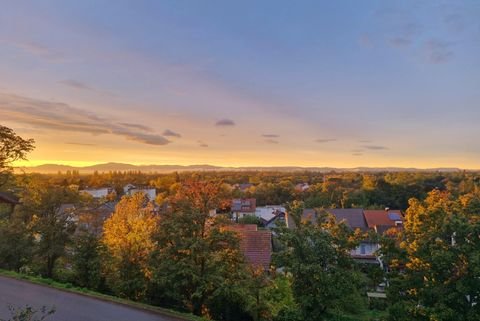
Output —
<point x="353" y="217"/>
<point x="244" y="205"/>
<point x="8" y="198"/>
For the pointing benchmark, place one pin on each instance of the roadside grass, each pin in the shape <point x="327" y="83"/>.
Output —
<point x="109" y="298"/>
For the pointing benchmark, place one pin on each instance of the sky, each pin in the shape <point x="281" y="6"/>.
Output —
<point x="243" y="83"/>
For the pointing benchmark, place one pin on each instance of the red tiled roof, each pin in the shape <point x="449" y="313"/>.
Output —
<point x="255" y="245"/>
<point x="379" y="218"/>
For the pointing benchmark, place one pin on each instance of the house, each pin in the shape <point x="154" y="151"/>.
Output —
<point x="9" y="200"/>
<point x="270" y="214"/>
<point x="273" y="222"/>
<point x="302" y="187"/>
<point x="150" y="192"/>
<point x="256" y="245"/>
<point x="92" y="219"/>
<point x="383" y="220"/>
<point x="243" y="206"/>
<point x="243" y="187"/>
<point x="98" y="192"/>
<point x="354" y="218"/>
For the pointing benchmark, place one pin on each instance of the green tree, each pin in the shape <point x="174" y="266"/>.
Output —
<point x="49" y="211"/>
<point x="324" y="276"/>
<point x="12" y="148"/>
<point x="198" y="264"/>
<point x="86" y="260"/>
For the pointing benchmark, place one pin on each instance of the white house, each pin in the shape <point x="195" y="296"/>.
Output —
<point x="98" y="192"/>
<point x="151" y="193"/>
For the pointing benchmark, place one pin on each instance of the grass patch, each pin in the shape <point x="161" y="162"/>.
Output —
<point x="68" y="287"/>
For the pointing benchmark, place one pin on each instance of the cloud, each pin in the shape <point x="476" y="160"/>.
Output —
<point x="39" y="50"/>
<point x="405" y="34"/>
<point x="271" y="141"/>
<point x="80" y="144"/>
<point x="75" y="84"/>
<point x="438" y="51"/>
<point x="357" y="150"/>
<point x="57" y="116"/>
<point x="137" y="126"/>
<point x="455" y="22"/>
<point x="270" y="136"/>
<point x="375" y="147"/>
<point x="400" y="41"/>
<point x="357" y="154"/>
<point x="364" y="141"/>
<point x="325" y="140"/>
<point x="171" y="133"/>
<point x="225" y="122"/>
<point x="202" y="144"/>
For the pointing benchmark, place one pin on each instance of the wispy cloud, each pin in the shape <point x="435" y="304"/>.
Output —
<point x="202" y="144"/>
<point x="270" y="135"/>
<point x="225" y="122"/>
<point x="405" y="35"/>
<point x="325" y="140"/>
<point x="39" y="50"/>
<point x="171" y="133"/>
<point x="59" y="116"/>
<point x="438" y="51"/>
<point x="137" y="126"/>
<point x="375" y="147"/>
<point x="75" y="84"/>
<point x="357" y="154"/>
<point x="271" y="141"/>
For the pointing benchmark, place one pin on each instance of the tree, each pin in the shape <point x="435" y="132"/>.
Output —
<point x="86" y="260"/>
<point x="317" y="256"/>
<point x="438" y="274"/>
<point x="198" y="264"/>
<point x="128" y="239"/>
<point x="12" y="148"/>
<point x="16" y="244"/>
<point x="49" y="211"/>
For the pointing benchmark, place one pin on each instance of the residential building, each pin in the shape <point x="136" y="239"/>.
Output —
<point x="98" y="192"/>
<point x="150" y="192"/>
<point x="255" y="244"/>
<point x="241" y="207"/>
<point x="383" y="220"/>
<point x="302" y="187"/>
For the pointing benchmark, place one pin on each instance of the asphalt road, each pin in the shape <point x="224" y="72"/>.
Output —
<point x="69" y="306"/>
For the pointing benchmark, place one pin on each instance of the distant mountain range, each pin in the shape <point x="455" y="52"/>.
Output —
<point x="55" y="168"/>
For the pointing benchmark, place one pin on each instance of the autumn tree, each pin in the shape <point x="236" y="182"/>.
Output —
<point x="128" y="239"/>
<point x="438" y="260"/>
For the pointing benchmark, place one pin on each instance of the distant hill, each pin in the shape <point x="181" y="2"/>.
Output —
<point x="55" y="168"/>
